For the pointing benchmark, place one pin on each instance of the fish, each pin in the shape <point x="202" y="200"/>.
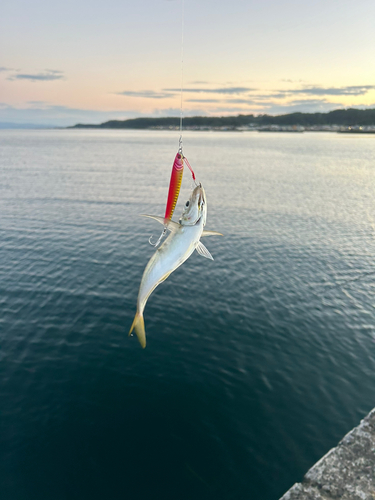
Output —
<point x="183" y="239"/>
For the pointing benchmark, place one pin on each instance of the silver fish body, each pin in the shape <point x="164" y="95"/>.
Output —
<point x="183" y="239"/>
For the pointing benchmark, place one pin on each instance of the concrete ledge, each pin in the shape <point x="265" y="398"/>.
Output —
<point x="346" y="472"/>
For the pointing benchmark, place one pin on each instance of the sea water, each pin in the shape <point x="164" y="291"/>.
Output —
<point x="256" y="363"/>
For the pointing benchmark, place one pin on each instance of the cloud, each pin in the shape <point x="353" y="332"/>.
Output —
<point x="176" y="112"/>
<point x="354" y="90"/>
<point x="218" y="90"/>
<point x="289" y="80"/>
<point x="230" y="110"/>
<point x="148" y="94"/>
<point x="165" y="93"/>
<point x="308" y="90"/>
<point x="303" y="106"/>
<point x="199" y="82"/>
<point x="249" y="96"/>
<point x="3" y="68"/>
<point x="265" y="104"/>
<point x="252" y="100"/>
<point x="249" y="101"/>
<point x="203" y="100"/>
<point x="47" y="75"/>
<point x="37" y="103"/>
<point x="310" y="102"/>
<point x="169" y="93"/>
<point x="44" y="114"/>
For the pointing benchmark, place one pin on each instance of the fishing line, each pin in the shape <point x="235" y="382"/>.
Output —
<point x="181" y="113"/>
<point x="182" y="74"/>
<point x="182" y="91"/>
<point x="177" y="169"/>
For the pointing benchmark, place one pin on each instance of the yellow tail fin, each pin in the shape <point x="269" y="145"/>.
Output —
<point x="139" y="327"/>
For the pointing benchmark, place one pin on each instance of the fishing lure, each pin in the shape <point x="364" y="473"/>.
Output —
<point x="174" y="186"/>
<point x="174" y="190"/>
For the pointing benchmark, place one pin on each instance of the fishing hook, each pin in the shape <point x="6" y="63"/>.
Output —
<point x="159" y="240"/>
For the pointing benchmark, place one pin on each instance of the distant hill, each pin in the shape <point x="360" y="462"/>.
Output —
<point x="343" y="117"/>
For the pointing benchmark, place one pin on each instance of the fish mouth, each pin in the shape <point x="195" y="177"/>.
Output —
<point x="202" y="197"/>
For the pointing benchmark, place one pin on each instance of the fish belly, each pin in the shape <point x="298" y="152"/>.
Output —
<point x="175" y="250"/>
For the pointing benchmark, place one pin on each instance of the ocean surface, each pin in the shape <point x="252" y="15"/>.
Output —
<point x="256" y="363"/>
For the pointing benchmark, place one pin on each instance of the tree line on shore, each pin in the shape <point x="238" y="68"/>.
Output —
<point x="343" y="117"/>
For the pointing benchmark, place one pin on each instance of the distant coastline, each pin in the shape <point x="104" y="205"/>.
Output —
<point x="358" y="121"/>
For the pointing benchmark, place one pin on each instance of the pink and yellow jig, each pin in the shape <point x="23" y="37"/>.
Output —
<point x="174" y="189"/>
<point x="175" y="184"/>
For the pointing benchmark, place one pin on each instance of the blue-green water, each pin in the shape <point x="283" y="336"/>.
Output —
<point x="256" y="363"/>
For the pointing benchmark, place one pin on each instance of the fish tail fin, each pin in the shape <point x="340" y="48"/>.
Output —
<point x="139" y="327"/>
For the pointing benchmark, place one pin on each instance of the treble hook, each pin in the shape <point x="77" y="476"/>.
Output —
<point x="159" y="240"/>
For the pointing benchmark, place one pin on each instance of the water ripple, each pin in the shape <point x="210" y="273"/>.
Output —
<point x="257" y="363"/>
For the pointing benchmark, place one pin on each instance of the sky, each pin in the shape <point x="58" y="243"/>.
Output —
<point x="89" y="61"/>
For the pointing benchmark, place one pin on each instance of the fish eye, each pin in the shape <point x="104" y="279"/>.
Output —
<point x="187" y="203"/>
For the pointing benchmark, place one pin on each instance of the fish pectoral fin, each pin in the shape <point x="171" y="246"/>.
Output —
<point x="202" y="250"/>
<point x="211" y="233"/>
<point x="159" y="219"/>
<point x="170" y="224"/>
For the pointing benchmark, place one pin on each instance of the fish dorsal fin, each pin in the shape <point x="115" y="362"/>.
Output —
<point x="202" y="250"/>
<point x="171" y="225"/>
<point x="211" y="233"/>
